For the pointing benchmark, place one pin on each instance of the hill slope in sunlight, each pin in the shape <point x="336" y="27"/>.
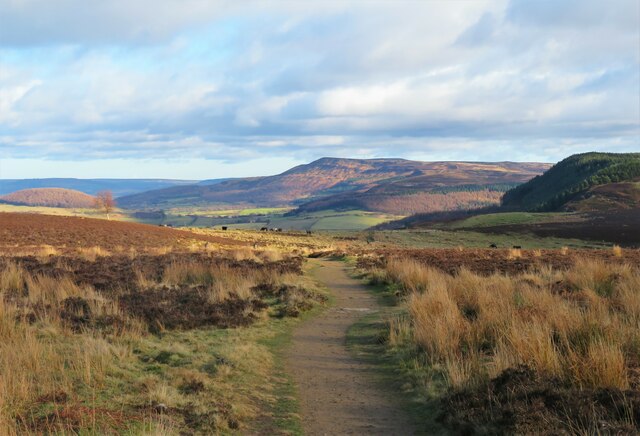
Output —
<point x="336" y="178"/>
<point x="577" y="177"/>
<point x="49" y="197"/>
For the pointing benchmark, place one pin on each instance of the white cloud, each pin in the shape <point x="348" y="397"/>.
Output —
<point x="231" y="80"/>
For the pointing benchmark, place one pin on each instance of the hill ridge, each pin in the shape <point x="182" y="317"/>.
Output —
<point x="49" y="197"/>
<point x="570" y="178"/>
<point x="330" y="176"/>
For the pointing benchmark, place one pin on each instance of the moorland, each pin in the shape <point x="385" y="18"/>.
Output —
<point x="520" y="316"/>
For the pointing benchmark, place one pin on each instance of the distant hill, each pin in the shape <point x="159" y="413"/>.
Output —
<point x="612" y="196"/>
<point x="437" y="186"/>
<point x="576" y="178"/>
<point x="118" y="187"/>
<point x="339" y="180"/>
<point x="49" y="197"/>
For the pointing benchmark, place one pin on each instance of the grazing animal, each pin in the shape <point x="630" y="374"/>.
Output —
<point x="224" y="227"/>
<point x="264" y="229"/>
<point x="308" y="232"/>
<point x="277" y="229"/>
<point x="517" y="247"/>
<point x="493" y="246"/>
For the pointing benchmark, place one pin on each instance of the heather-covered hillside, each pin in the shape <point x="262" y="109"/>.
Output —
<point x="50" y="197"/>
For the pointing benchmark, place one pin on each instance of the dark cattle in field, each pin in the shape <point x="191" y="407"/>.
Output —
<point x="224" y="227"/>
<point x="308" y="232"/>
<point x="517" y="247"/>
<point x="493" y="246"/>
<point x="278" y="230"/>
<point x="264" y="229"/>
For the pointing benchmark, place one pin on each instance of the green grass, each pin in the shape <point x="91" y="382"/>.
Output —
<point x="286" y="410"/>
<point x="48" y="210"/>
<point x="247" y="226"/>
<point x="61" y="211"/>
<point x="366" y="339"/>
<point x="508" y="218"/>
<point x="331" y="220"/>
<point x="348" y="222"/>
<point x="229" y="212"/>
<point x="436" y="238"/>
<point x="243" y="369"/>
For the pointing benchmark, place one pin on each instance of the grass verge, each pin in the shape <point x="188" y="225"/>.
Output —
<point x="367" y="340"/>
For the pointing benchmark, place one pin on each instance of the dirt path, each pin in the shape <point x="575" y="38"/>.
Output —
<point x="338" y="394"/>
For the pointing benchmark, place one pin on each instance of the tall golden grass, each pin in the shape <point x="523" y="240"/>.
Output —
<point x="36" y="356"/>
<point x="581" y="325"/>
<point x="59" y="339"/>
<point x="220" y="281"/>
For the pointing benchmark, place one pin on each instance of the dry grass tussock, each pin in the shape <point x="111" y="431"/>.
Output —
<point x="617" y="251"/>
<point x="581" y="326"/>
<point x="92" y="253"/>
<point x="221" y="282"/>
<point x="514" y="253"/>
<point x="37" y="357"/>
<point x="64" y="343"/>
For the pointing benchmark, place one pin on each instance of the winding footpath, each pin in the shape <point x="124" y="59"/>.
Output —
<point x="338" y="393"/>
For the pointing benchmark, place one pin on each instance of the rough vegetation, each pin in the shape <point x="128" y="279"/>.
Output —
<point x="143" y="343"/>
<point x="49" y="197"/>
<point x="27" y="232"/>
<point x="546" y="348"/>
<point x="618" y="226"/>
<point x="329" y="177"/>
<point x="572" y="176"/>
<point x="409" y="204"/>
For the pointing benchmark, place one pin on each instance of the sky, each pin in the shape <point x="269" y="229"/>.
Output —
<point x="201" y="89"/>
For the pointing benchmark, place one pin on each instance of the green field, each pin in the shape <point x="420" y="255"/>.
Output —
<point x="435" y="238"/>
<point x="228" y="212"/>
<point x="61" y="211"/>
<point x="331" y="220"/>
<point x="507" y="218"/>
<point x="46" y="210"/>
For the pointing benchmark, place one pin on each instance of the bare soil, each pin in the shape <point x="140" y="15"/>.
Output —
<point x="338" y="393"/>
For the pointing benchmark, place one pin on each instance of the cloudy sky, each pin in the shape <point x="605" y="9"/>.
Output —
<point x="203" y="89"/>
